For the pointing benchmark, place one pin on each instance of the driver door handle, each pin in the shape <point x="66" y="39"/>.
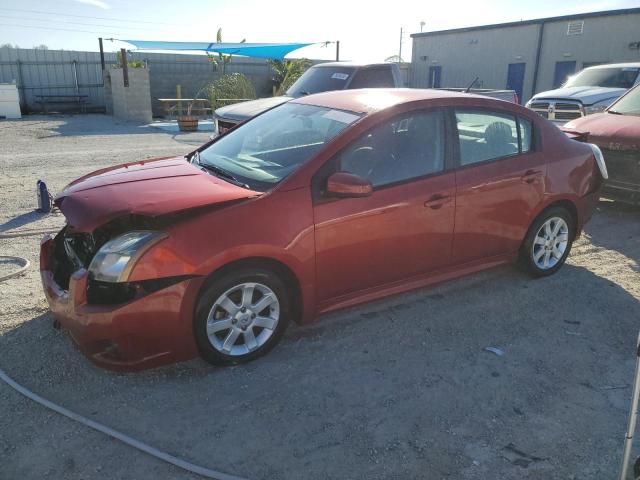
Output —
<point x="437" y="201"/>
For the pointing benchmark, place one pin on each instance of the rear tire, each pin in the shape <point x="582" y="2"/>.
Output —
<point x="548" y="242"/>
<point x="241" y="316"/>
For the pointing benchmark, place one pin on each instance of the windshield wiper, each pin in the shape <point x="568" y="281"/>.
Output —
<point x="222" y="173"/>
<point x="615" y="112"/>
<point x="304" y="92"/>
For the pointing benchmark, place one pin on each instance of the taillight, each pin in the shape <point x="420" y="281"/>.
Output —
<point x="602" y="166"/>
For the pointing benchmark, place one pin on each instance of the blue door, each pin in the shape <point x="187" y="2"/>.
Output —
<point x="563" y="71"/>
<point x="435" y="74"/>
<point x="515" y="78"/>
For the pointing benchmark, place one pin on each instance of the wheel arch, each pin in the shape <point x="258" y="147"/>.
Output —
<point x="283" y="271"/>
<point x="565" y="203"/>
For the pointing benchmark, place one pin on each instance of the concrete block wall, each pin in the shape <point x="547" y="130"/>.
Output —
<point x="132" y="103"/>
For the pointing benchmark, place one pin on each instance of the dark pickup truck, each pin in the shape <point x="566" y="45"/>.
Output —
<point x="319" y="78"/>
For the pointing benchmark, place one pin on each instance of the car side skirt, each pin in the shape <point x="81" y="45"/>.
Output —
<point x="426" y="280"/>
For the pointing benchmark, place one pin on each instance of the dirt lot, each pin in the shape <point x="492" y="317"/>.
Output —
<point x="399" y="389"/>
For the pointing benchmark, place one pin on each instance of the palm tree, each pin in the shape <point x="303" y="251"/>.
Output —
<point x="286" y="72"/>
<point x="222" y="59"/>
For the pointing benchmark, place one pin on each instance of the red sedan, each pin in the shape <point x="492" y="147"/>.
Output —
<point x="322" y="203"/>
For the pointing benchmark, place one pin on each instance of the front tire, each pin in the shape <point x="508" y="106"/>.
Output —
<point x="241" y="316"/>
<point x="548" y="242"/>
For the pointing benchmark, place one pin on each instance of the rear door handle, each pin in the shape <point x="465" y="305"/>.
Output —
<point x="437" y="201"/>
<point x="531" y="176"/>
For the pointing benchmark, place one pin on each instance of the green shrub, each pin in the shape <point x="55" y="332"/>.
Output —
<point x="234" y="86"/>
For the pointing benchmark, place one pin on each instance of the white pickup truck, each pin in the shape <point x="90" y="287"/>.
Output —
<point x="590" y="91"/>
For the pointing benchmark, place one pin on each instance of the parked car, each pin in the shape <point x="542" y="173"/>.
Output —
<point x="326" y="77"/>
<point x="322" y="203"/>
<point x="617" y="132"/>
<point x="590" y="91"/>
<point x="322" y="77"/>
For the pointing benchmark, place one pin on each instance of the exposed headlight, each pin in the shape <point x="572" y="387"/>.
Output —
<point x="599" y="160"/>
<point x="116" y="258"/>
<point x="597" y="108"/>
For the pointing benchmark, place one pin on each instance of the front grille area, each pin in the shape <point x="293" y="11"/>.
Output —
<point x="72" y="251"/>
<point x="623" y="165"/>
<point x="558" y="111"/>
<point x="539" y="106"/>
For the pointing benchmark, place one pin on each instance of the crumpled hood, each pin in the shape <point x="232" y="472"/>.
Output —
<point x="615" y="132"/>
<point x="586" y="95"/>
<point x="151" y="188"/>
<point x="244" y="110"/>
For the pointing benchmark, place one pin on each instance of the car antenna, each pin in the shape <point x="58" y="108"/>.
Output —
<point x="472" y="84"/>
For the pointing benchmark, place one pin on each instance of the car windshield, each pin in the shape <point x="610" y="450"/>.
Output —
<point x="263" y="151"/>
<point x="627" y="105"/>
<point x="320" y="79"/>
<point x="624" y="77"/>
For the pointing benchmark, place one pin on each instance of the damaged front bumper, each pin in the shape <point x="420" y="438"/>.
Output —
<point x="150" y="329"/>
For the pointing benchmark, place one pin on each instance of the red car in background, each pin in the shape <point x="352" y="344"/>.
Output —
<point x="321" y="203"/>
<point x="617" y="132"/>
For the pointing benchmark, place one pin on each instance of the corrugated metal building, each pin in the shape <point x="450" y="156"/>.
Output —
<point x="529" y="56"/>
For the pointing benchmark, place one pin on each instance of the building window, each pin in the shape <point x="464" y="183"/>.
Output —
<point x="575" y="28"/>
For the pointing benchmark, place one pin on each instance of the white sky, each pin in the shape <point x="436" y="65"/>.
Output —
<point x="367" y="30"/>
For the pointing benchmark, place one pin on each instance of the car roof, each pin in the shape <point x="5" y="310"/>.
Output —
<point x="616" y="65"/>
<point x="352" y="64"/>
<point x="369" y="100"/>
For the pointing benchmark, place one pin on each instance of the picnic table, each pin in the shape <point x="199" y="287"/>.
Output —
<point x="171" y="105"/>
<point x="60" y="99"/>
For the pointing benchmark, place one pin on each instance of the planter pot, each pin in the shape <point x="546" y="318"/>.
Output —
<point x="188" y="123"/>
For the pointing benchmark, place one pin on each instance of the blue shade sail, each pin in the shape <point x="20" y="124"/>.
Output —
<point x="258" y="50"/>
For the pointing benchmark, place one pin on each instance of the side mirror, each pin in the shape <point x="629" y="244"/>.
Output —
<point x="348" y="185"/>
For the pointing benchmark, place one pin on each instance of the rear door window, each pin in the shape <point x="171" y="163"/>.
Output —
<point x="485" y="135"/>
<point x="373" y="78"/>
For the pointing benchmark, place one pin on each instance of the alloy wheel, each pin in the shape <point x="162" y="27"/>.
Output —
<point x="550" y="243"/>
<point x="243" y="318"/>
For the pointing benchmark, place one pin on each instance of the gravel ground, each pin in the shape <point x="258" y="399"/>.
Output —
<point x="398" y="389"/>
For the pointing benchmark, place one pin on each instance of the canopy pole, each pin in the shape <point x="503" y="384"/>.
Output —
<point x="125" y="67"/>
<point x="101" y="54"/>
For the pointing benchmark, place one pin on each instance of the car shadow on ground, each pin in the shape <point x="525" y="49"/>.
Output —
<point x="616" y="226"/>
<point x="392" y="389"/>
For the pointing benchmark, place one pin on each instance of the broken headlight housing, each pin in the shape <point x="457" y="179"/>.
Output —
<point x="116" y="258"/>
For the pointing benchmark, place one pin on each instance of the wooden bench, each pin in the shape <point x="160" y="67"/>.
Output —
<point x="74" y="99"/>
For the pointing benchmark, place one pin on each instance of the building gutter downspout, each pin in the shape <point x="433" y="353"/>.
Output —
<point x="538" y="55"/>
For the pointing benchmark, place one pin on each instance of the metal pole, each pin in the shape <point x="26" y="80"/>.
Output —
<point x="537" y="64"/>
<point x="101" y="54"/>
<point x="633" y="417"/>
<point x="125" y="69"/>
<point x="20" y="85"/>
<point x="400" y="49"/>
<point x="338" y="51"/>
<point x="74" y="68"/>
